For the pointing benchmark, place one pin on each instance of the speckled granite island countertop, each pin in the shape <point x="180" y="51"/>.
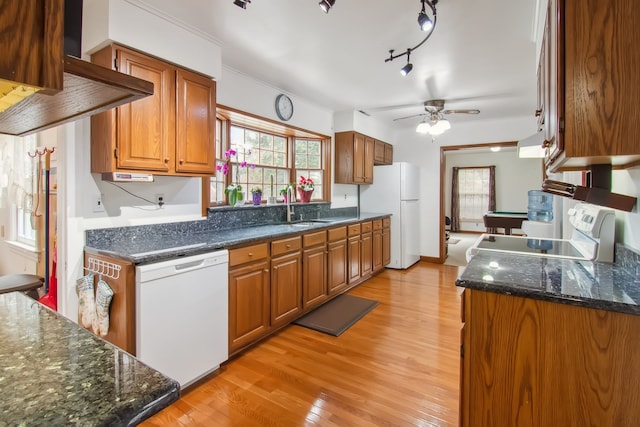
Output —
<point x="54" y="373"/>
<point x="145" y="248"/>
<point x="604" y="286"/>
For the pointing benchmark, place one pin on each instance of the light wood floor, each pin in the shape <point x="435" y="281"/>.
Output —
<point x="397" y="366"/>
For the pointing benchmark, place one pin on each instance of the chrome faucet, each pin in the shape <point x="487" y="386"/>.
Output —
<point x="290" y="211"/>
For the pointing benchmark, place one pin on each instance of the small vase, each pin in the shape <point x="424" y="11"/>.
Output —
<point x="239" y="199"/>
<point x="305" y="195"/>
<point x="257" y="198"/>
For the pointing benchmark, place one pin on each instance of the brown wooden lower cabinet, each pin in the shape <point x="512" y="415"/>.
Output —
<point x="527" y="362"/>
<point x="386" y="242"/>
<point x="249" y="304"/>
<point x="314" y="270"/>
<point x="377" y="243"/>
<point x="122" y="317"/>
<point x="286" y="288"/>
<point x="337" y="266"/>
<point x="271" y="283"/>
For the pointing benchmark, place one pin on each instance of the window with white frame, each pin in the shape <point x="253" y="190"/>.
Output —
<point x="473" y="193"/>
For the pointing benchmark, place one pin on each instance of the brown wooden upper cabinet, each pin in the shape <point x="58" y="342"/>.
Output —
<point x="591" y="83"/>
<point x="383" y="153"/>
<point x="32" y="47"/>
<point x="169" y="133"/>
<point x="354" y="158"/>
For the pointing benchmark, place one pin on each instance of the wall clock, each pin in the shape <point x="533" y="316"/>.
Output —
<point x="284" y="107"/>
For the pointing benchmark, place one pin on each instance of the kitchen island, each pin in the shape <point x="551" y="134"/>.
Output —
<point x="550" y="341"/>
<point x="53" y="372"/>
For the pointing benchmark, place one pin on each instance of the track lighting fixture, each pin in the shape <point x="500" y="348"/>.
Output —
<point x="242" y="3"/>
<point x="427" y="24"/>
<point x="407" y="68"/>
<point x="325" y="5"/>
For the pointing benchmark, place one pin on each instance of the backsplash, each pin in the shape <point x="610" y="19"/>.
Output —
<point x="629" y="260"/>
<point x="221" y="218"/>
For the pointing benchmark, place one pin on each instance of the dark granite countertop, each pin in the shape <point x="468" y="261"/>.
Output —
<point x="144" y="249"/>
<point x="53" y="373"/>
<point x="582" y="283"/>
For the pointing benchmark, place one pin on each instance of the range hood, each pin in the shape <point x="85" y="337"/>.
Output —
<point x="87" y="89"/>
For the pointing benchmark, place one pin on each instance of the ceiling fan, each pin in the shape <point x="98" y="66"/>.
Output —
<point x="434" y="122"/>
<point x="434" y="110"/>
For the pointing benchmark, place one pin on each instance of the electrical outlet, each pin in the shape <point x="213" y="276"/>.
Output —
<point x="160" y="200"/>
<point x="97" y="203"/>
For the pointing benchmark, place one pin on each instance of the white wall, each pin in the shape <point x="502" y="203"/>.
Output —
<point x="415" y="148"/>
<point x="514" y="177"/>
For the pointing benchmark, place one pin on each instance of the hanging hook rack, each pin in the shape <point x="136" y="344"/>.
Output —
<point x="104" y="268"/>
<point x="44" y="151"/>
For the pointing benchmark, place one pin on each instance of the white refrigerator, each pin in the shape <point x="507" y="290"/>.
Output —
<point x="396" y="190"/>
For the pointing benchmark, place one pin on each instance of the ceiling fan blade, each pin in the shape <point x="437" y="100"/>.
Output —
<point x="461" y="111"/>
<point x="410" y="117"/>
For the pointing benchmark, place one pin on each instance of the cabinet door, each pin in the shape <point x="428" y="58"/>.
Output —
<point x="354" y="259"/>
<point x="122" y="317"/>
<point x="337" y="266"/>
<point x="369" y="150"/>
<point x="314" y="276"/>
<point x="146" y="128"/>
<point x="366" y="254"/>
<point x="377" y="250"/>
<point x="388" y="154"/>
<point x="358" y="158"/>
<point x="195" y="123"/>
<point x="248" y="304"/>
<point x="286" y="288"/>
<point x="386" y="246"/>
<point x="378" y="155"/>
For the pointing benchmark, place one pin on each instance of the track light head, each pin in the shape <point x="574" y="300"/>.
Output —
<point x="406" y="69"/>
<point x="326" y="5"/>
<point x="242" y="3"/>
<point x="426" y="24"/>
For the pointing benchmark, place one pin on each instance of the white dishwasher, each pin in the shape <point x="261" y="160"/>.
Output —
<point x="182" y="318"/>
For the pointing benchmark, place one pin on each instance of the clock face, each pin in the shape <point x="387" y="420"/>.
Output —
<point x="284" y="107"/>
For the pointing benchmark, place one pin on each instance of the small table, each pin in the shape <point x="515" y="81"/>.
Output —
<point x="506" y="220"/>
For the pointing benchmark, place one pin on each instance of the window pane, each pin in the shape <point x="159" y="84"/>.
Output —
<point x="313" y="162"/>
<point x="301" y="160"/>
<point x="473" y="193"/>
<point x="280" y="144"/>
<point x="314" y="148"/>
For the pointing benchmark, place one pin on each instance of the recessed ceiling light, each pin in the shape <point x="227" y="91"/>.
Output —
<point x="495" y="149"/>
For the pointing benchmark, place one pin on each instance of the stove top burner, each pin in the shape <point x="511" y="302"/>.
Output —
<point x="525" y="245"/>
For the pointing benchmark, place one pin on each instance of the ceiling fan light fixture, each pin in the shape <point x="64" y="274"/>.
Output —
<point x="326" y="5"/>
<point x="441" y="126"/>
<point x="423" y="127"/>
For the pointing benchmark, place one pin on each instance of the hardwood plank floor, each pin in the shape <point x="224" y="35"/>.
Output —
<point x="397" y="366"/>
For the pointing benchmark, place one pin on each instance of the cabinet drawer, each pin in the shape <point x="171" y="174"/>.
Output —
<point x="386" y="222"/>
<point x="366" y="227"/>
<point x="248" y="254"/>
<point x="313" y="239"/>
<point x="337" y="233"/>
<point x="354" y="230"/>
<point x="284" y="246"/>
<point x="377" y="224"/>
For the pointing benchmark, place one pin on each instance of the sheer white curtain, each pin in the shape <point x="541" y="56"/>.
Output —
<point x="18" y="172"/>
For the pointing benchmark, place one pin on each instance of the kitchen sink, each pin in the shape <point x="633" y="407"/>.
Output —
<point x="304" y="223"/>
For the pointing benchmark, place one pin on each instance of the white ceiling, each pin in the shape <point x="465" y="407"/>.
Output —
<point x="481" y="54"/>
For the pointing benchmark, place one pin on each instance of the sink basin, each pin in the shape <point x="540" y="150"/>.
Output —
<point x="303" y="223"/>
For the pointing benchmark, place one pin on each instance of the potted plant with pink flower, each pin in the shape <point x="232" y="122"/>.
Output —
<point x="234" y="191"/>
<point x="305" y="189"/>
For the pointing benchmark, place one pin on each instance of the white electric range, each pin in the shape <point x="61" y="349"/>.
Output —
<point x="592" y="238"/>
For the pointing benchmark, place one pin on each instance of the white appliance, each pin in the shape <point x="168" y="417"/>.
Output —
<point x="396" y="190"/>
<point x="182" y="315"/>
<point x="592" y="238"/>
